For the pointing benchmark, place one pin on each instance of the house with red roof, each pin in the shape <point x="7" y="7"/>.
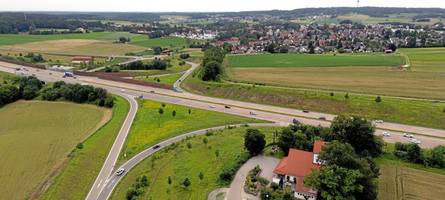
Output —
<point x="292" y="169"/>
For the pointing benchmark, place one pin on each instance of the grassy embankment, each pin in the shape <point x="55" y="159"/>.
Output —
<point x="36" y="138"/>
<point x="150" y="127"/>
<point x="75" y="180"/>
<point x="182" y="162"/>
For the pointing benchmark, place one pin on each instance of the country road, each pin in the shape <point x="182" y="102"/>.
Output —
<point x="428" y="136"/>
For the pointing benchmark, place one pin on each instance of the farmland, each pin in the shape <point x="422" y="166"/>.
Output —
<point x="180" y="162"/>
<point x="144" y="41"/>
<point x="150" y="127"/>
<point x="379" y="77"/>
<point x="305" y="60"/>
<point x="36" y="140"/>
<point x="398" y="182"/>
<point x="168" y="79"/>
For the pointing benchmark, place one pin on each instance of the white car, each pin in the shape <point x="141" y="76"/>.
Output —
<point x="415" y="141"/>
<point x="212" y="107"/>
<point x="378" y="121"/>
<point x="408" y="135"/>
<point x="120" y="171"/>
<point x="386" y="134"/>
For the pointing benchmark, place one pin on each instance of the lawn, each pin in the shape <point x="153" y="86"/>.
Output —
<point x="181" y="162"/>
<point x="413" y="112"/>
<point x="143" y="40"/>
<point x="168" y="79"/>
<point x="76" y="47"/>
<point x="149" y="127"/>
<point x="84" y="165"/>
<point x="36" y="138"/>
<point x="307" y="60"/>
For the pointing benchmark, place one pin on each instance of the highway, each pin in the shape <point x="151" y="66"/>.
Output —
<point x="283" y="116"/>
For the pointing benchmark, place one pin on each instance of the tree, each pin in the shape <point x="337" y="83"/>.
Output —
<point x="436" y="157"/>
<point x="169" y="181"/>
<point x="184" y="56"/>
<point x="211" y="71"/>
<point x="286" y="140"/>
<point x="271" y="48"/>
<point x="334" y="182"/>
<point x="157" y="50"/>
<point x="254" y="141"/>
<point x="30" y="92"/>
<point x="347" y="96"/>
<point x="186" y="183"/>
<point x="174" y="113"/>
<point x="358" y="132"/>
<point x="201" y="175"/>
<point x="414" y="153"/>
<point x="378" y="99"/>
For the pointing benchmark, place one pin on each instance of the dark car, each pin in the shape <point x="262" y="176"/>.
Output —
<point x="306" y="111"/>
<point x="156" y="147"/>
<point x="295" y="121"/>
<point x="228" y="107"/>
<point x="322" y="118"/>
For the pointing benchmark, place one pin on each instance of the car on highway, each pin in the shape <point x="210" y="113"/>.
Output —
<point x="122" y="90"/>
<point x="415" y="141"/>
<point x="322" y="118"/>
<point x="228" y="107"/>
<point x="252" y="113"/>
<point x="379" y="121"/>
<point x="212" y="107"/>
<point x="152" y="92"/>
<point x="295" y="121"/>
<point x="306" y="111"/>
<point x="386" y="134"/>
<point x="408" y="135"/>
<point x="156" y="147"/>
<point x="120" y="171"/>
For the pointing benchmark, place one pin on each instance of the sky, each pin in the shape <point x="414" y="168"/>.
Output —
<point x="199" y="5"/>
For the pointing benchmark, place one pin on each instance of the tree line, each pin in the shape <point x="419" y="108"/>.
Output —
<point x="30" y="87"/>
<point x="212" y="64"/>
<point x="157" y="63"/>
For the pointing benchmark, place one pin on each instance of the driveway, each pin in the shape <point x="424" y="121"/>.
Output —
<point x="267" y="164"/>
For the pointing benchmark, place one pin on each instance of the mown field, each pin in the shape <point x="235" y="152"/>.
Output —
<point x="420" y="81"/>
<point x="398" y="182"/>
<point x="307" y="60"/>
<point x="150" y="127"/>
<point x="181" y="162"/>
<point x="35" y="139"/>
<point x="142" y="40"/>
<point x="414" y="112"/>
<point x="81" y="170"/>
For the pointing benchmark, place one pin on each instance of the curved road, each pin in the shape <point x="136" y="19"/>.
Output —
<point x="428" y="136"/>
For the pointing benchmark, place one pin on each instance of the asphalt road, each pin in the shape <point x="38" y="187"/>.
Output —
<point x="108" y="166"/>
<point x="428" y="136"/>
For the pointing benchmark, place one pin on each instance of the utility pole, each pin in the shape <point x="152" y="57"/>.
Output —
<point x="358" y="3"/>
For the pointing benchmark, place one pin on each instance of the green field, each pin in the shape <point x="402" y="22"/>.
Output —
<point x="307" y="60"/>
<point x="150" y="127"/>
<point x="169" y="79"/>
<point x="142" y="40"/>
<point x="414" y="112"/>
<point x="181" y="162"/>
<point x="84" y="165"/>
<point x="35" y="139"/>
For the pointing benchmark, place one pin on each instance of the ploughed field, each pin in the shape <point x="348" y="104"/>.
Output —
<point x="376" y="74"/>
<point x="35" y="139"/>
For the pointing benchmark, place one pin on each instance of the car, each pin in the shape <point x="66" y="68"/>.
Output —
<point x="122" y="90"/>
<point x="386" y="134"/>
<point x="408" y="135"/>
<point x="152" y="91"/>
<point x="228" y="107"/>
<point x="306" y="111"/>
<point x="17" y="69"/>
<point x="295" y="121"/>
<point x="379" y="121"/>
<point x="120" y="171"/>
<point x="50" y="73"/>
<point x="252" y="113"/>
<point x="212" y="107"/>
<point x="415" y="141"/>
<point x="322" y="118"/>
<point x="156" y="147"/>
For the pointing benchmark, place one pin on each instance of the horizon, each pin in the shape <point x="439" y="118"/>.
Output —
<point x="202" y="6"/>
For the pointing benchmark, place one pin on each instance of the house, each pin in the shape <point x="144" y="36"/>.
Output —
<point x="292" y="169"/>
<point x="82" y="60"/>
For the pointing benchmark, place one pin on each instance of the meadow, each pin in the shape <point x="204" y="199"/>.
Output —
<point x="307" y="60"/>
<point x="168" y="79"/>
<point x="405" y="111"/>
<point x="167" y="42"/>
<point x="150" y="127"/>
<point x="36" y="138"/>
<point x="181" y="162"/>
<point x="84" y="164"/>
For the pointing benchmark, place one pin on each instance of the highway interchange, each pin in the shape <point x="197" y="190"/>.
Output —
<point x="106" y="180"/>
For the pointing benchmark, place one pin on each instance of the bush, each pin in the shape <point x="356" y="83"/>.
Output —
<point x="184" y="56"/>
<point x="30" y="92"/>
<point x="378" y="99"/>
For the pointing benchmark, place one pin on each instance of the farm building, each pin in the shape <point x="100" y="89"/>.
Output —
<point x="292" y="169"/>
<point x="82" y="59"/>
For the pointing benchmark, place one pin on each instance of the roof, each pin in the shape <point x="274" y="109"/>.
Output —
<point x="299" y="187"/>
<point x="318" y="146"/>
<point x="298" y="164"/>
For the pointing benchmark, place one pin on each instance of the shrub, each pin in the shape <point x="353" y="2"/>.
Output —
<point x="184" y="56"/>
<point x="378" y="99"/>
